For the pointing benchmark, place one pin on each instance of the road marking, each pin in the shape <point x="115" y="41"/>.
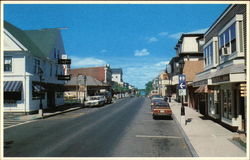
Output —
<point x="148" y="136"/>
<point x="19" y="124"/>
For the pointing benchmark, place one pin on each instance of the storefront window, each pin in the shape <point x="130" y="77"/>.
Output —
<point x="211" y="105"/>
<point x="227" y="104"/>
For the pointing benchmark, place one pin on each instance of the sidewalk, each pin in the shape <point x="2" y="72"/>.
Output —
<point x="208" y="138"/>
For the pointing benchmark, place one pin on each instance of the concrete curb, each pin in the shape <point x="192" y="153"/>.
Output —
<point x="57" y="113"/>
<point x="187" y="141"/>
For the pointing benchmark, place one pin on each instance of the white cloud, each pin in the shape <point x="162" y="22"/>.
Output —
<point x="163" y="34"/>
<point x="178" y="35"/>
<point x="103" y="51"/>
<point x="199" y="30"/>
<point x="162" y="63"/>
<point x="88" y="61"/>
<point x="139" y="75"/>
<point x="143" y="52"/>
<point x="152" y="39"/>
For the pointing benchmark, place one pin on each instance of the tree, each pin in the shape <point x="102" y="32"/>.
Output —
<point x="149" y="87"/>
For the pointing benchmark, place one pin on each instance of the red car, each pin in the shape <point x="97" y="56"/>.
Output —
<point x="161" y="110"/>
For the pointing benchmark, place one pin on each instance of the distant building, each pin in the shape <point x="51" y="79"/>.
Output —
<point x="188" y="61"/>
<point x="103" y="74"/>
<point x="163" y="82"/>
<point x="117" y="75"/>
<point x="26" y="55"/>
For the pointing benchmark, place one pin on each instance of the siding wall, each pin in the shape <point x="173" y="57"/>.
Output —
<point x="237" y="9"/>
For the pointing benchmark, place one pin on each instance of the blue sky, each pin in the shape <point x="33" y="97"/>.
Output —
<point x="138" y="38"/>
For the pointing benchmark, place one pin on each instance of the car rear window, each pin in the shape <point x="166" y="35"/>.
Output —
<point x="162" y="106"/>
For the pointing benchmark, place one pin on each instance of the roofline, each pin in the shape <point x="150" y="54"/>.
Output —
<point x="188" y="35"/>
<point x="86" y="68"/>
<point x="219" y="18"/>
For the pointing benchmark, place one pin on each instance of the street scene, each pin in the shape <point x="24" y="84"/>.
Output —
<point x="125" y="80"/>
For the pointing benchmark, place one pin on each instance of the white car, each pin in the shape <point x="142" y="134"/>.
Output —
<point x="95" y="101"/>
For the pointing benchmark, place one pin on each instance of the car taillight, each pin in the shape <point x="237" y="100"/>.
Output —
<point x="168" y="111"/>
<point x="156" y="110"/>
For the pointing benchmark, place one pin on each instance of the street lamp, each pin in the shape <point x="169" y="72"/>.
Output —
<point x="181" y="64"/>
<point x="78" y="87"/>
<point x="40" y="73"/>
<point x="85" y="86"/>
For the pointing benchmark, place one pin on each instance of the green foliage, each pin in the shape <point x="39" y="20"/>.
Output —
<point x="118" y="88"/>
<point x="149" y="87"/>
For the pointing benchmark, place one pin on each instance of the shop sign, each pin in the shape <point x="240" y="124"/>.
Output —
<point x="223" y="78"/>
<point x="243" y="89"/>
<point x="182" y="92"/>
<point x="200" y="83"/>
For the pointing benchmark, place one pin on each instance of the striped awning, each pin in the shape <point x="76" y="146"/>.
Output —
<point x="36" y="88"/>
<point x="13" y="86"/>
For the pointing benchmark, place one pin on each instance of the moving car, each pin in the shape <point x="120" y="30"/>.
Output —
<point x="161" y="110"/>
<point x="95" y="101"/>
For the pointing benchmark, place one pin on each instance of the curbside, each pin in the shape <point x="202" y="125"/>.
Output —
<point x="187" y="141"/>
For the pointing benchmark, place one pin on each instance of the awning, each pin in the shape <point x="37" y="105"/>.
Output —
<point x="13" y="86"/>
<point x="36" y="88"/>
<point x="203" y="89"/>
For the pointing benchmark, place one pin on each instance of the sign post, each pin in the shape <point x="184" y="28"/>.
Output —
<point x="182" y="92"/>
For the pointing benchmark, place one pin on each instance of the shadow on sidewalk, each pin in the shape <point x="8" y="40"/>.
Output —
<point x="62" y="108"/>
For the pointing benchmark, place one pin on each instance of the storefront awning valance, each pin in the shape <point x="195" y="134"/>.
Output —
<point x="203" y="89"/>
<point x="13" y="86"/>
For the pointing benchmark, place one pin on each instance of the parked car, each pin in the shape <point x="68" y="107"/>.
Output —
<point x="161" y="110"/>
<point x="95" y="101"/>
<point x="155" y="102"/>
<point x="165" y="98"/>
<point x="107" y="95"/>
<point x="157" y="97"/>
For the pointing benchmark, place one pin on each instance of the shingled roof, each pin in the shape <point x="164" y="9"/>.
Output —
<point x="24" y="39"/>
<point x="40" y="43"/>
<point x="44" y="39"/>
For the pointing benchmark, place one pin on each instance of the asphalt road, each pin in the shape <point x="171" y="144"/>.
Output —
<point x="123" y="129"/>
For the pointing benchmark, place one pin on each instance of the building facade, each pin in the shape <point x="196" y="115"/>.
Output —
<point x="188" y="61"/>
<point x="103" y="74"/>
<point x="34" y="68"/>
<point x="224" y="74"/>
<point x="117" y="75"/>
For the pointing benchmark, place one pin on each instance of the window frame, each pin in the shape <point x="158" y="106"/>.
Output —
<point x="11" y="63"/>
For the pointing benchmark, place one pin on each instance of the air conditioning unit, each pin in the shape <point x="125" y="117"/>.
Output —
<point x="225" y="50"/>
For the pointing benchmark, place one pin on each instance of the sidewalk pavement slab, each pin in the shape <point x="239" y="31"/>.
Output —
<point x="208" y="138"/>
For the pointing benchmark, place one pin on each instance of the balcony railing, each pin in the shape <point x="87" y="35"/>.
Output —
<point x="63" y="77"/>
<point x="64" y="61"/>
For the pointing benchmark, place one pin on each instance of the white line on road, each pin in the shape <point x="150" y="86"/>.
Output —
<point x="19" y="124"/>
<point x="148" y="136"/>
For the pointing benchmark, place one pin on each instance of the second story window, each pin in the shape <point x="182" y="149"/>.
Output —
<point x="227" y="41"/>
<point x="36" y="66"/>
<point x="50" y="72"/>
<point x="208" y="54"/>
<point x="7" y="63"/>
<point x="54" y="52"/>
<point x="56" y="70"/>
